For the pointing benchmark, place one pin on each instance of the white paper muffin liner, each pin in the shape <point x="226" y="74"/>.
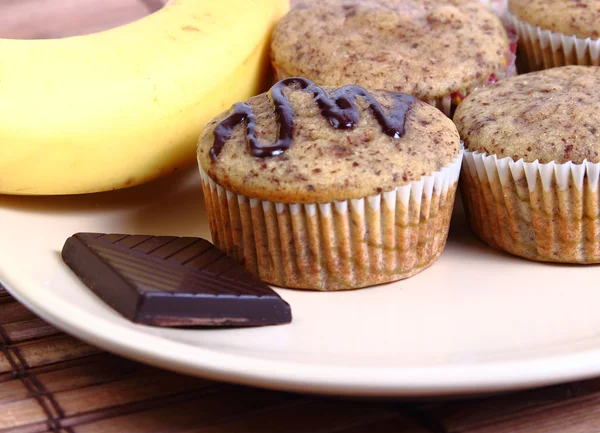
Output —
<point x="543" y="49"/>
<point x="545" y="212"/>
<point x="337" y="245"/>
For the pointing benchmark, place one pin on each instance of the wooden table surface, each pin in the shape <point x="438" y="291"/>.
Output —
<point x="49" y="381"/>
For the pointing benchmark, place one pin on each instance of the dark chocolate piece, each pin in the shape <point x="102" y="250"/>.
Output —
<point x="339" y="109"/>
<point x="172" y="281"/>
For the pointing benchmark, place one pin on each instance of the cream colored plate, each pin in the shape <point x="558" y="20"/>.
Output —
<point x="477" y="321"/>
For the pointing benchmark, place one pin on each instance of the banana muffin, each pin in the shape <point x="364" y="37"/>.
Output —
<point x="330" y="188"/>
<point x="556" y="32"/>
<point x="436" y="50"/>
<point x="530" y="177"/>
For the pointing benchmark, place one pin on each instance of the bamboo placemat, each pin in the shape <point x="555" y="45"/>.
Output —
<point x="51" y="382"/>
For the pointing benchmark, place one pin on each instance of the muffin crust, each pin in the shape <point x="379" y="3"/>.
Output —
<point x="323" y="163"/>
<point x="551" y="115"/>
<point x="570" y="17"/>
<point x="427" y="48"/>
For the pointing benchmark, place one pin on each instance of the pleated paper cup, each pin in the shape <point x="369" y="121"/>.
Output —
<point x="338" y="245"/>
<point x="543" y="49"/>
<point x="544" y="212"/>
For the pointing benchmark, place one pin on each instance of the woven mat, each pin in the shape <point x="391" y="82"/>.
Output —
<point x="51" y="382"/>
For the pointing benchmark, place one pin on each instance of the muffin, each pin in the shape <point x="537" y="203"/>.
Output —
<point x="330" y="188"/>
<point x="530" y="178"/>
<point x="436" y="50"/>
<point x="556" y="32"/>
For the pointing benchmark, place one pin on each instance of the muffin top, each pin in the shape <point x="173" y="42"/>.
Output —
<point x="427" y="48"/>
<point x="551" y="115"/>
<point x="571" y="17"/>
<point x="300" y="143"/>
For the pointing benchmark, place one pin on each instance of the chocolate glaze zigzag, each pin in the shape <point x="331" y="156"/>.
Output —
<point x="339" y="109"/>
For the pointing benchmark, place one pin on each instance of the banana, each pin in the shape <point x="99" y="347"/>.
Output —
<point x="121" y="107"/>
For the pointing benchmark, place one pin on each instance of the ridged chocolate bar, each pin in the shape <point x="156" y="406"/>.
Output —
<point x="172" y="281"/>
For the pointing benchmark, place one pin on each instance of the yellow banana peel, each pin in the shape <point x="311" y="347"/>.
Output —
<point x="121" y="107"/>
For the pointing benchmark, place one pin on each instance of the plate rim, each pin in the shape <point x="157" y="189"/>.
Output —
<point x="351" y="381"/>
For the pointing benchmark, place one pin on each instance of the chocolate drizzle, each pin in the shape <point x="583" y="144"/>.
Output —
<point x="339" y="109"/>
